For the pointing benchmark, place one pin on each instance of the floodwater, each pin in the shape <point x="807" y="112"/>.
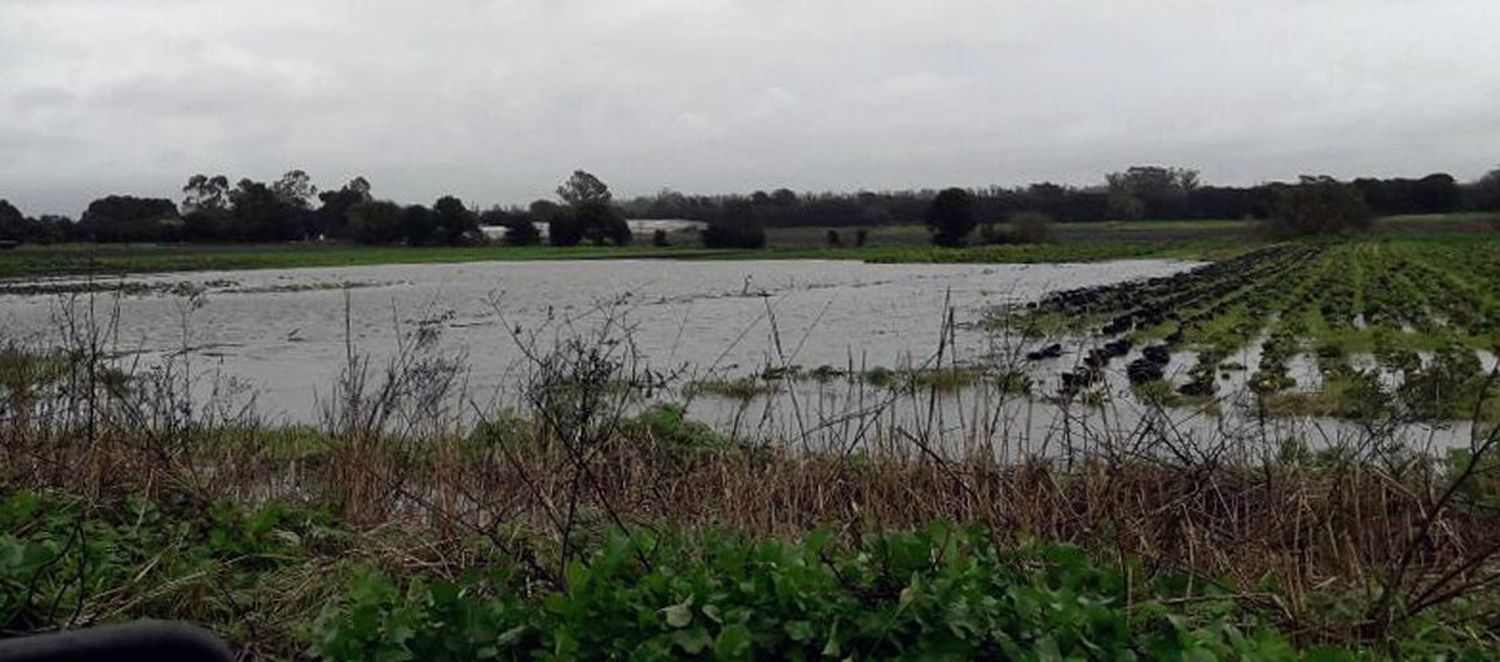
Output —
<point x="277" y="341"/>
<point x="285" y="334"/>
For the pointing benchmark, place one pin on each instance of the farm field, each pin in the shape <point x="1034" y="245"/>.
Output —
<point x="602" y="512"/>
<point x="1070" y="242"/>
<point x="46" y="261"/>
<point x="1423" y="313"/>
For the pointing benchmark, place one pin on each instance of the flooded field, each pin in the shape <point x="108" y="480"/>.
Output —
<point x="819" y="353"/>
<point x="281" y="334"/>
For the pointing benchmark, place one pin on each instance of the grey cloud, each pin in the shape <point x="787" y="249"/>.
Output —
<point x="496" y="101"/>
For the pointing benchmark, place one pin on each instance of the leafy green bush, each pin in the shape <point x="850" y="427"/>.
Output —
<point x="65" y="563"/>
<point x="937" y="593"/>
<point x="667" y="423"/>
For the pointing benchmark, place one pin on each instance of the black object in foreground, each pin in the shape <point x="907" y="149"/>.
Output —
<point x="146" y="640"/>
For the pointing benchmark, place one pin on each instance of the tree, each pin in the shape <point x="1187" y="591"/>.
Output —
<point x="205" y="207"/>
<point x="562" y="227"/>
<point x="1155" y="191"/>
<point x="418" y="226"/>
<point x="596" y="219"/>
<point x="258" y="214"/>
<point x="51" y="229"/>
<point x="1125" y="205"/>
<point x="601" y="223"/>
<point x="12" y="222"/>
<point x="950" y="217"/>
<point x="209" y="195"/>
<point x="375" y="222"/>
<point x="736" y="227"/>
<point x="583" y="188"/>
<point x="295" y="189"/>
<point x="1486" y="192"/>
<point x="119" y="218"/>
<point x="332" y="217"/>
<point x="1317" y="205"/>
<point x="1437" y="193"/>
<point x="454" y="223"/>
<point x="1030" y="227"/>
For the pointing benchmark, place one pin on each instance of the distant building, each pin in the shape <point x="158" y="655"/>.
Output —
<point x="648" y="226"/>
<point x="642" y="228"/>
<point x="496" y="233"/>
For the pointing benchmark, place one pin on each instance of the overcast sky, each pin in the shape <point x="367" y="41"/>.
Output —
<point x="497" y="101"/>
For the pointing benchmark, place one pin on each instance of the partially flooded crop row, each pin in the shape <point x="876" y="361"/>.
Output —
<point x="1340" y="329"/>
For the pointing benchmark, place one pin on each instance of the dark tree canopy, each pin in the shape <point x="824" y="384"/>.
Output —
<point x="375" y="222"/>
<point x="1438" y="193"/>
<point x="736" y="227"/>
<point x="1486" y="192"/>
<point x="590" y="213"/>
<point x="292" y="208"/>
<point x="1317" y="205"/>
<point x="418" y="226"/>
<point x="12" y="222"/>
<point x="120" y="218"/>
<point x="258" y="214"/>
<point x="583" y="188"/>
<point x="1150" y="191"/>
<point x="295" y="189"/>
<point x="950" y="217"/>
<point x="563" y="228"/>
<point x="206" y="194"/>
<point x="453" y="223"/>
<point x="332" y="217"/>
<point x="601" y="224"/>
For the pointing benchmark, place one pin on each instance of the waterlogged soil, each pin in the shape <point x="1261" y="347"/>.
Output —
<point x="283" y="337"/>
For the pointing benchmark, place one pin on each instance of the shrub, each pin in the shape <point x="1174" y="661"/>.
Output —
<point x="659" y="239"/>
<point x="950" y="217"/>
<point x="522" y="232"/>
<point x="937" y="593"/>
<point x="601" y="224"/>
<point x="724" y="234"/>
<point x="1030" y="227"/>
<point x="669" y="424"/>
<point x="563" y="228"/>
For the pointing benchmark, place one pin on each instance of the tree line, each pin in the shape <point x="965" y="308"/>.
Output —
<point x="1141" y="192"/>
<point x="292" y="208"/>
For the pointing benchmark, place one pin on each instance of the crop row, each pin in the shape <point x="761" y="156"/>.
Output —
<point x="1330" y="299"/>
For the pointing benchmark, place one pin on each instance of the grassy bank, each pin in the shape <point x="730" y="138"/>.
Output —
<point x="74" y="259"/>
<point x="30" y="261"/>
